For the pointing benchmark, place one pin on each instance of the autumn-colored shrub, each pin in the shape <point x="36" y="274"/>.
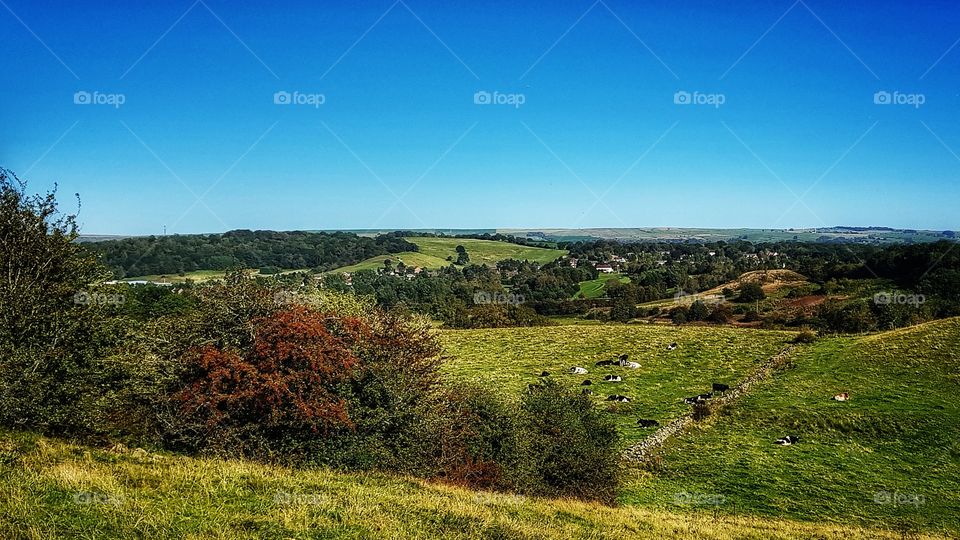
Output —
<point x="282" y="390"/>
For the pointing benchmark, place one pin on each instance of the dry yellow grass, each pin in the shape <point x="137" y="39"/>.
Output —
<point x="51" y="489"/>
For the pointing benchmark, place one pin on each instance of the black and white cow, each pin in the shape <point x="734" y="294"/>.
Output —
<point x="619" y="398"/>
<point x="612" y="378"/>
<point x="647" y="423"/>
<point x="787" y="441"/>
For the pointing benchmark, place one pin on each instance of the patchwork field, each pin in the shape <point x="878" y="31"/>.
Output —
<point x="512" y="358"/>
<point x="51" y="489"/>
<point x="890" y="455"/>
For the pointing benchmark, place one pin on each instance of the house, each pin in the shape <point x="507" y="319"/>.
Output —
<point x="573" y="262"/>
<point x="605" y="268"/>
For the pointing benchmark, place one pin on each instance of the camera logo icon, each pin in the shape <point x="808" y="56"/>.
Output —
<point x="82" y="98"/>
<point x="281" y="98"/>
<point x="682" y="98"/>
<point x="482" y="98"/>
<point x="882" y="98"/>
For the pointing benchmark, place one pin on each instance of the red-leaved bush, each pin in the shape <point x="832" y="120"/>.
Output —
<point x="285" y="385"/>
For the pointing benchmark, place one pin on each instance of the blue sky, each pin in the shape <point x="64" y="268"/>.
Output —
<point x="777" y="123"/>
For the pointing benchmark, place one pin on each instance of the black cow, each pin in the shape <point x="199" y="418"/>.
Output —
<point x="647" y="423"/>
<point x="544" y="373"/>
<point x="617" y="397"/>
<point x="718" y="387"/>
<point x="604" y="363"/>
<point x="587" y="382"/>
<point x="587" y="392"/>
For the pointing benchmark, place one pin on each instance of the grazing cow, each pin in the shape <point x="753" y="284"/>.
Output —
<point x="631" y="365"/>
<point x="672" y="346"/>
<point x="841" y="397"/>
<point x="623" y="358"/>
<point x="612" y="378"/>
<point x="587" y="382"/>
<point x="577" y="370"/>
<point x="647" y="423"/>
<point x="718" y="387"/>
<point x="787" y="441"/>
<point x="604" y="363"/>
<point x="587" y="392"/>
<point x="701" y="398"/>
<point x="619" y="398"/>
<point x="544" y="373"/>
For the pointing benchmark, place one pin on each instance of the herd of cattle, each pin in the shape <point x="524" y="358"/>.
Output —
<point x="623" y="360"/>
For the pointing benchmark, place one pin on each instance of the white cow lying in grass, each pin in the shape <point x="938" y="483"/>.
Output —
<point x="577" y="370"/>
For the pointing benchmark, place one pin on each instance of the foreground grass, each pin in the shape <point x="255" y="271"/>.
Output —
<point x="511" y="358"/>
<point x="51" y="489"/>
<point x="890" y="455"/>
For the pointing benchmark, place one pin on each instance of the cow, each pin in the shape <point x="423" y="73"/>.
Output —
<point x="630" y="365"/>
<point x="787" y="441"/>
<point x="841" y="397"/>
<point x="623" y="358"/>
<point x="647" y="423"/>
<point x="544" y="373"/>
<point x="619" y="398"/>
<point x="700" y="398"/>
<point x="587" y="392"/>
<point x="672" y="346"/>
<point x="718" y="387"/>
<point x="612" y="378"/>
<point x="587" y="382"/>
<point x="577" y="370"/>
<point x="602" y="363"/>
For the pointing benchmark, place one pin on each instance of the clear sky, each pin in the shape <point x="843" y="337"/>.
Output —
<point x="605" y="113"/>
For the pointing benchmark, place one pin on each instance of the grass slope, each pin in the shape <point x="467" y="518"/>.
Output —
<point x="50" y="489"/>
<point x="409" y="258"/>
<point x="511" y="358"/>
<point x="597" y="288"/>
<point x="897" y="439"/>
<point x="488" y="252"/>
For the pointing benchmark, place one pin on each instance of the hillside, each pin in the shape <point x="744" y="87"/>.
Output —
<point x="52" y="489"/>
<point x="434" y="253"/>
<point x="890" y="455"/>
<point x="512" y="358"/>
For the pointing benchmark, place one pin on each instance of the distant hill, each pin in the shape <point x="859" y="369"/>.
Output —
<point x="864" y="235"/>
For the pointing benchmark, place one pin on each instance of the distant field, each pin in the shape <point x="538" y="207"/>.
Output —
<point x="511" y="358"/>
<point x="197" y="276"/>
<point x="434" y="252"/>
<point x="890" y="455"/>
<point x="484" y="251"/>
<point x="877" y="236"/>
<point x="596" y="288"/>
<point x="53" y="489"/>
<point x="409" y="258"/>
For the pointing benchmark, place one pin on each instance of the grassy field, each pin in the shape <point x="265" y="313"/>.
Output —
<point x="51" y="489"/>
<point x="511" y="358"/>
<point x="596" y="288"/>
<point x="409" y="258"/>
<point x="890" y="455"/>
<point x="484" y="251"/>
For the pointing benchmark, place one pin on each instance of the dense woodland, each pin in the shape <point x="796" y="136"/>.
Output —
<point x="291" y="250"/>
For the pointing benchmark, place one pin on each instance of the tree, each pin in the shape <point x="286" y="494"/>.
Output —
<point x="462" y="257"/>
<point x="50" y="328"/>
<point x="751" y="292"/>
